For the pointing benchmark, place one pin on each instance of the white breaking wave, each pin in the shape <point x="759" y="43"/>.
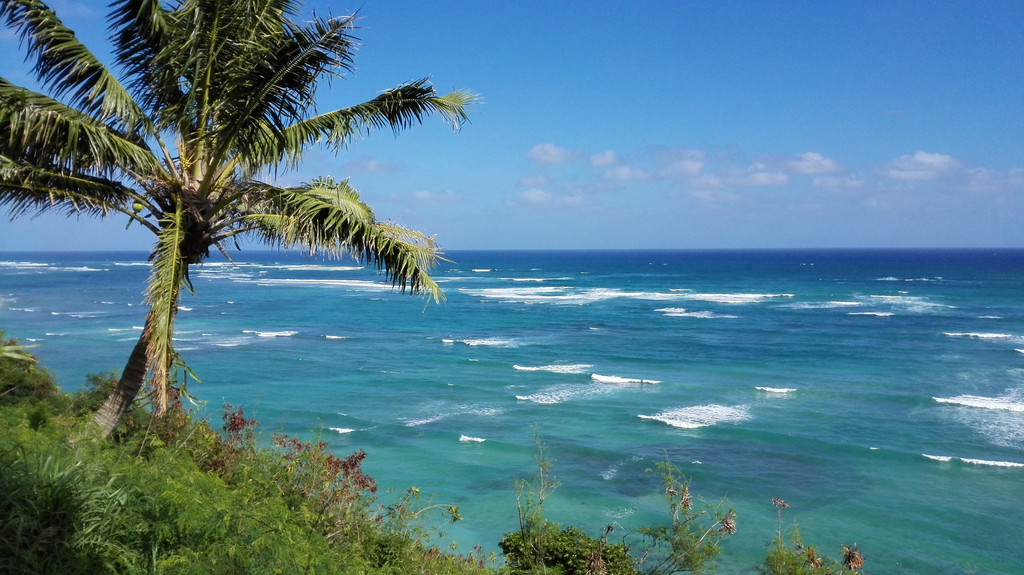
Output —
<point x="562" y="393"/>
<point x="341" y="430"/>
<point x="946" y="458"/>
<point x="874" y="313"/>
<point x="16" y="265"/>
<point x="681" y="312"/>
<point x="270" y="333"/>
<point x="776" y="389"/>
<point x="978" y="335"/>
<point x="563" y="295"/>
<point x="365" y="285"/>
<point x="491" y="342"/>
<point x="443" y="412"/>
<point x="1006" y="403"/>
<point x="734" y="298"/>
<point x="335" y="337"/>
<point x="468" y="439"/>
<point x="701" y="416"/>
<point x="620" y="380"/>
<point x="567" y="368"/>
<point x="911" y="304"/>
<point x="824" y="304"/>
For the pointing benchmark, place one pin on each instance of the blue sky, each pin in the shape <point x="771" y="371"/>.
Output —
<point x="671" y="124"/>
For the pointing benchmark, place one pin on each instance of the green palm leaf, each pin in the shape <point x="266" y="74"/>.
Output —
<point x="43" y="131"/>
<point x="328" y="217"/>
<point x="165" y="282"/>
<point x="397" y="109"/>
<point x="65" y="66"/>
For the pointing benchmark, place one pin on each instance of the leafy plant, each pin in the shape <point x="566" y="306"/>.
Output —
<point x="790" y="556"/>
<point x="690" y="542"/>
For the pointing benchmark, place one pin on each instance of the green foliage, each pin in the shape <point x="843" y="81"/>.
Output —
<point x="19" y="377"/>
<point x="789" y="556"/>
<point x="690" y="542"/>
<point x="172" y="495"/>
<point x="569" y="551"/>
<point x="60" y="514"/>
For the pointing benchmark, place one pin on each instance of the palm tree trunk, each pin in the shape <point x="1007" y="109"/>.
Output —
<point x="127" y="389"/>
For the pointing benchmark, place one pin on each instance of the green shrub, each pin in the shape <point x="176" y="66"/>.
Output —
<point x="789" y="556"/>
<point x="59" y="514"/>
<point x="20" y="378"/>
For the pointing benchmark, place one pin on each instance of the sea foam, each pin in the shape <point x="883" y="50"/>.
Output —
<point x="681" y="312"/>
<point x="986" y="462"/>
<point x="1006" y="403"/>
<point x="776" y="389"/>
<point x="270" y="333"/>
<point x="558" y="368"/>
<point x="614" y="379"/>
<point x="701" y="416"/>
<point x="735" y="298"/>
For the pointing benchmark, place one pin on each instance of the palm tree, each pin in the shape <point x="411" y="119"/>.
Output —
<point x="212" y="97"/>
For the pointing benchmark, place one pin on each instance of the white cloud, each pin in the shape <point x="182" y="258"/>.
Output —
<point x="920" y="167"/>
<point x="812" y="163"/>
<point x="985" y="181"/>
<point x="604" y="159"/>
<point x="550" y="154"/>
<point x="536" y="197"/>
<point x="838" y="183"/>
<point x="535" y="181"/>
<point x="625" y="174"/>
<point x="683" y="164"/>
<point x="436" y="198"/>
<point x="757" y="175"/>
<point x="712" y="196"/>
<point x="367" y="165"/>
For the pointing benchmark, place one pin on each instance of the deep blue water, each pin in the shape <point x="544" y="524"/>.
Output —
<point x="880" y="393"/>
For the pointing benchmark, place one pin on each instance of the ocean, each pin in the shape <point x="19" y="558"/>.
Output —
<point x="880" y="393"/>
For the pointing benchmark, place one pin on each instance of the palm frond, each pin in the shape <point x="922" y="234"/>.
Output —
<point x="141" y="29"/>
<point x="397" y="109"/>
<point x="43" y="131"/>
<point x="28" y="189"/>
<point x="66" y="67"/>
<point x="327" y="217"/>
<point x="165" y="282"/>
<point x="280" y="86"/>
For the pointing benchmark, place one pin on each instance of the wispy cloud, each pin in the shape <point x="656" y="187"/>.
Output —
<point x="537" y="181"/>
<point x="839" y="183"/>
<point x="920" y="167"/>
<point x="537" y="197"/>
<point x="367" y="165"/>
<point x="756" y="175"/>
<point x="604" y="159"/>
<point x="985" y="181"/>
<point x="550" y="154"/>
<point x="625" y="174"/>
<point x="683" y="163"/>
<point x="436" y="198"/>
<point x="812" y="163"/>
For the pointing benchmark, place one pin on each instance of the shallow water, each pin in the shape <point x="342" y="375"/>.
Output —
<point x="880" y="393"/>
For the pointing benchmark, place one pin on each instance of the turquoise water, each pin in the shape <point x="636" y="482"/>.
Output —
<point x="880" y="393"/>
